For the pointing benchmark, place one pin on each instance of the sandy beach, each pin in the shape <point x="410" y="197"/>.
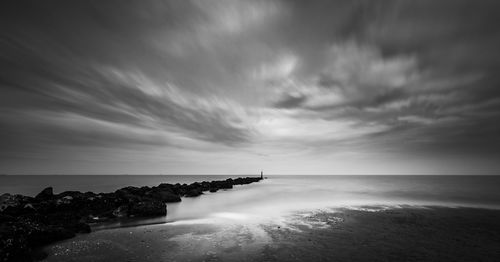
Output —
<point x="369" y="233"/>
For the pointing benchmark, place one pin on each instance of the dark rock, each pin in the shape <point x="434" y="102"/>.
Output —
<point x="19" y="237"/>
<point x="14" y="202"/>
<point x="27" y="223"/>
<point x="38" y="254"/>
<point x="205" y="186"/>
<point x="16" y="205"/>
<point x="221" y="184"/>
<point x="121" y="211"/>
<point x="42" y="235"/>
<point x="163" y="194"/>
<point x="181" y="190"/>
<point x="147" y="208"/>
<point x="129" y="193"/>
<point x="8" y="200"/>
<point x="47" y="193"/>
<point x="167" y="187"/>
<point x="194" y="192"/>
<point x="13" y="242"/>
<point x="6" y="218"/>
<point x="79" y="227"/>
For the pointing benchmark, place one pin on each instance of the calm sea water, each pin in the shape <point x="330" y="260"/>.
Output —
<point x="281" y="194"/>
<point x="234" y="224"/>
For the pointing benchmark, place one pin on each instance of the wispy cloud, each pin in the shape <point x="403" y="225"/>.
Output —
<point x="182" y="86"/>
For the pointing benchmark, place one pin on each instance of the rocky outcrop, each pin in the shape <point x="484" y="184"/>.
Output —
<point x="27" y="223"/>
<point x="47" y="193"/>
<point x="163" y="192"/>
<point x="194" y="192"/>
<point x="8" y="200"/>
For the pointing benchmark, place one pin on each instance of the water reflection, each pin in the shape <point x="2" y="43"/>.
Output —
<point x="280" y="196"/>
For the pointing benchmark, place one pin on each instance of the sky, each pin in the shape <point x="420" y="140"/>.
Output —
<point x="237" y="86"/>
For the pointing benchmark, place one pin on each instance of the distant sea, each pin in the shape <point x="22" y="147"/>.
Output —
<point x="290" y="215"/>
<point x="282" y="193"/>
<point x="279" y="195"/>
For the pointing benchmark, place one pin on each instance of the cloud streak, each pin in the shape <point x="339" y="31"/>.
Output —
<point x="228" y="86"/>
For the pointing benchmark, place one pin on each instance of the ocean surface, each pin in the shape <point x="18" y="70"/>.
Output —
<point x="279" y="195"/>
<point x="281" y="218"/>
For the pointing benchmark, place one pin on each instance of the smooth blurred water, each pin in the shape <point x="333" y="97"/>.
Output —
<point x="283" y="194"/>
<point x="235" y="223"/>
<point x="279" y="195"/>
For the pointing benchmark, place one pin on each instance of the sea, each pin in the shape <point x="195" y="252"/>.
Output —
<point x="281" y="194"/>
<point x="281" y="218"/>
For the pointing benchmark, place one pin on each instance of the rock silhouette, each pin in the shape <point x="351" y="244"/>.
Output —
<point x="29" y="222"/>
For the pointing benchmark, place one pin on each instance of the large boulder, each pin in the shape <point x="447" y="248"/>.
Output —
<point x="166" y="187"/>
<point x="205" y="186"/>
<point x="121" y="211"/>
<point x="73" y="195"/>
<point x="102" y="206"/>
<point x="47" y="193"/>
<point x="16" y="205"/>
<point x="164" y="195"/>
<point x="194" y="192"/>
<point x="180" y="189"/>
<point x="222" y="184"/>
<point x="8" y="200"/>
<point x="146" y="208"/>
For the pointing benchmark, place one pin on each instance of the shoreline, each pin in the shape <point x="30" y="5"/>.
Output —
<point x="410" y="233"/>
<point x="27" y="223"/>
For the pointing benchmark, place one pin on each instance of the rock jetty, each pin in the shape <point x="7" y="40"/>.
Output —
<point x="27" y="223"/>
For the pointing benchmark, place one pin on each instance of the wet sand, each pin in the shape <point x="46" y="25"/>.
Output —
<point x="363" y="234"/>
<point x="407" y="234"/>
